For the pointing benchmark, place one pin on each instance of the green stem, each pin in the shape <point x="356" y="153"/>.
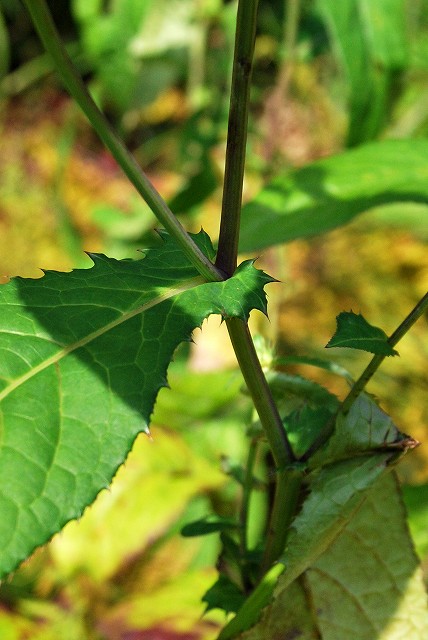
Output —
<point x="70" y="77"/>
<point x="377" y="360"/>
<point x="292" y="17"/>
<point x="287" y="492"/>
<point x="237" y="136"/>
<point x="226" y="261"/>
<point x="260" y="392"/>
<point x="245" y="506"/>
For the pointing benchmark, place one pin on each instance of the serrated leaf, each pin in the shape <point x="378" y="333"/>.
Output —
<point x="355" y="332"/>
<point x="330" y="192"/>
<point x="83" y="356"/>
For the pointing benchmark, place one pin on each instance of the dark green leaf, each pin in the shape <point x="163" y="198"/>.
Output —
<point x="210" y="524"/>
<point x="303" y="426"/>
<point x="83" y="356"/>
<point x="224" y="594"/>
<point x="355" y="332"/>
<point x="331" y="192"/>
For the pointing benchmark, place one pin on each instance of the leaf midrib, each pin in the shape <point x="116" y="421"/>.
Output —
<point x="62" y="353"/>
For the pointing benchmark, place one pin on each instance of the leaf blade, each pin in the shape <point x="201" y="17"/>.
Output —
<point x="85" y="354"/>
<point x="329" y="193"/>
<point x="353" y="331"/>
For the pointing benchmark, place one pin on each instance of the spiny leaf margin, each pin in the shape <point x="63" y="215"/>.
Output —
<point x="82" y="357"/>
<point x="353" y="331"/>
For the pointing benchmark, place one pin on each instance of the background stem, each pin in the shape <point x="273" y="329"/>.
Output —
<point x="45" y="27"/>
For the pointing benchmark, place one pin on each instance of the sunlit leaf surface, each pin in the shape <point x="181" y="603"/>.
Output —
<point x="83" y="356"/>
<point x="330" y="192"/>
<point x="355" y="332"/>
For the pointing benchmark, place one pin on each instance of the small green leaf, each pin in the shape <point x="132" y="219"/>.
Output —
<point x="224" y="594"/>
<point x="210" y="524"/>
<point x="355" y="332"/>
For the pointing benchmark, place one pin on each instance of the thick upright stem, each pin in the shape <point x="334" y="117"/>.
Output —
<point x="70" y="77"/>
<point x="260" y="392"/>
<point x="237" y="136"/>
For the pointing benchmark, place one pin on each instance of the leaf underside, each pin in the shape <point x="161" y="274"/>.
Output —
<point x="82" y="358"/>
<point x="366" y="585"/>
<point x="349" y="554"/>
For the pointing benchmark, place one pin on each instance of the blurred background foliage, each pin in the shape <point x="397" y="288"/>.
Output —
<point x="160" y="69"/>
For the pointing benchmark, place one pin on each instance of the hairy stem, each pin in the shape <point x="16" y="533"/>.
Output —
<point x="70" y="77"/>
<point x="237" y="136"/>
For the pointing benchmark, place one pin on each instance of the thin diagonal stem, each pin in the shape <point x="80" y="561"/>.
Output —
<point x="237" y="135"/>
<point x="367" y="374"/>
<point x="43" y="22"/>
<point x="377" y="360"/>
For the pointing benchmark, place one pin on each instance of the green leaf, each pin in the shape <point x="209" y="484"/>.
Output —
<point x="341" y="478"/>
<point x="83" y="356"/>
<point x="331" y="367"/>
<point x="363" y="429"/>
<point x="147" y="497"/>
<point x="210" y="524"/>
<point x="331" y="192"/>
<point x="366" y="585"/>
<point x="224" y="594"/>
<point x="303" y="426"/>
<point x="370" y="40"/>
<point x="355" y="332"/>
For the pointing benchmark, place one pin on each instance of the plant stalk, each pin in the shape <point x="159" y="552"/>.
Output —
<point x="287" y="492"/>
<point x="260" y="392"/>
<point x="46" y="29"/>
<point x="237" y="136"/>
<point x="226" y="261"/>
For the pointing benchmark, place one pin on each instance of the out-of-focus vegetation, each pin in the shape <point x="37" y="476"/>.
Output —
<point x="161" y="72"/>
